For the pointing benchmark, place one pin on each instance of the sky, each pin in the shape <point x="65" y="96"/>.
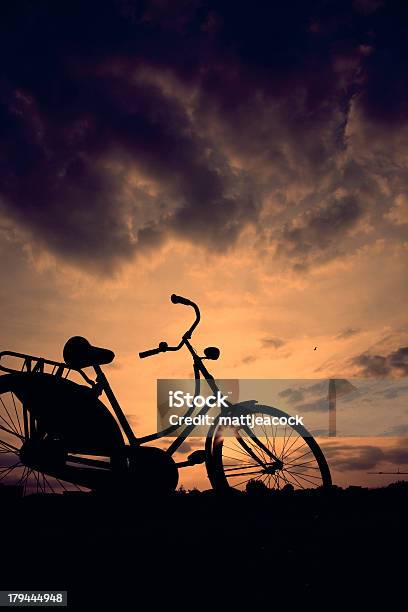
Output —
<point x="252" y="157"/>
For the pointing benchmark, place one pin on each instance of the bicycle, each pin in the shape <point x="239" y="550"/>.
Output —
<point x="57" y="435"/>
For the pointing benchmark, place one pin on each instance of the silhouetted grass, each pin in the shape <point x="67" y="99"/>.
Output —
<point x="311" y="544"/>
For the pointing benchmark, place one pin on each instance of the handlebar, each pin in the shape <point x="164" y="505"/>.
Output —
<point x="144" y="354"/>
<point x="178" y="299"/>
<point x="163" y="346"/>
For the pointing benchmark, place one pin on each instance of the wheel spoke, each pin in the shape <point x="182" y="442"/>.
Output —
<point x="237" y="450"/>
<point x="245" y="474"/>
<point x="292" y="444"/>
<point x="304" y="465"/>
<point x="22" y="476"/>
<point x="301" y="474"/>
<point x="243" y="482"/>
<point x="300" y="457"/>
<point x="305" y="479"/>
<point x="62" y="484"/>
<point x="10" y="423"/>
<point x="241" y="467"/>
<point x="9" y="431"/>
<point x="287" y="440"/>
<point x="250" y="451"/>
<point x="26" y="482"/>
<point x="48" y="483"/>
<point x="297" y="448"/>
<point x="284" y="439"/>
<point x="15" y="410"/>
<point x="256" y="448"/>
<point x="296" y="480"/>
<point x="9" y="447"/>
<point x="9" y="470"/>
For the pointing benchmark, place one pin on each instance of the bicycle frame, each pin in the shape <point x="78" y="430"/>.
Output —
<point x="199" y="371"/>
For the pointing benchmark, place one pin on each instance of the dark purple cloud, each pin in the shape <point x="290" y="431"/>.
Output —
<point x="349" y="457"/>
<point x="125" y="123"/>
<point x="319" y="229"/>
<point x="378" y="366"/>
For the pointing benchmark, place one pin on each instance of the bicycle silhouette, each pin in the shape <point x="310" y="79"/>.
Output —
<point x="57" y="435"/>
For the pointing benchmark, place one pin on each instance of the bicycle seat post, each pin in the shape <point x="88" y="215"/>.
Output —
<point x="103" y="381"/>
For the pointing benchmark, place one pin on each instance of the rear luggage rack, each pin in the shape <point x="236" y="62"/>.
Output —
<point x="30" y="363"/>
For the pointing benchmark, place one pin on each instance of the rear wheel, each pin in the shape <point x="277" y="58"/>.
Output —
<point x="24" y="449"/>
<point x="274" y="456"/>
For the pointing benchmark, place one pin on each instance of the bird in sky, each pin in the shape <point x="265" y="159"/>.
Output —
<point x="315" y="348"/>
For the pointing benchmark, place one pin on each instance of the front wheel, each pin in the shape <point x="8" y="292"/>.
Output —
<point x="271" y="455"/>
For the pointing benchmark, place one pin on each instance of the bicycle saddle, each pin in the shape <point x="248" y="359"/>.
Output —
<point x="79" y="353"/>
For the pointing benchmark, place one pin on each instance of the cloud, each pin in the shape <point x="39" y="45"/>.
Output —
<point x="397" y="430"/>
<point x="309" y="236"/>
<point x="249" y="359"/>
<point x="127" y="124"/>
<point x="346" y="333"/>
<point x="399" y="453"/>
<point x="378" y="366"/>
<point x="273" y="342"/>
<point x="348" y="457"/>
<point x="360" y="458"/>
<point x="398" y="213"/>
<point x="315" y="397"/>
<point x="320" y="404"/>
<point x="70" y="179"/>
<point x="297" y="394"/>
<point x="292" y="395"/>
<point x="398" y="360"/>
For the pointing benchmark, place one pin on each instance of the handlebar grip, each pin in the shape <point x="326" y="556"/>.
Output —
<point x="178" y="299"/>
<point x="144" y="354"/>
